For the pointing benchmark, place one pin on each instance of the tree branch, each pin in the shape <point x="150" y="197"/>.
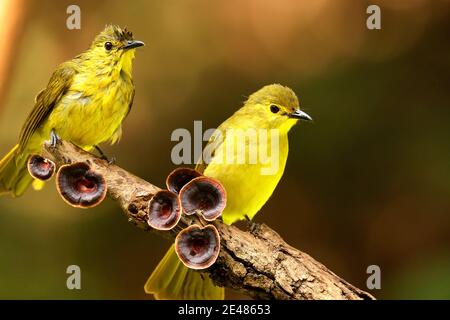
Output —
<point x="258" y="263"/>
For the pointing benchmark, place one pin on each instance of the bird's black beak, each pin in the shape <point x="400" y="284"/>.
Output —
<point x="299" y="114"/>
<point x="131" y="44"/>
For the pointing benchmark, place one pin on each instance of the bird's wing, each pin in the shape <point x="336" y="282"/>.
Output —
<point x="46" y="100"/>
<point x="214" y="144"/>
<point x="131" y="102"/>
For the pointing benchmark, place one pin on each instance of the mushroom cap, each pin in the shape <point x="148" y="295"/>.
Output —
<point x="179" y="177"/>
<point x="80" y="186"/>
<point x="197" y="247"/>
<point x="40" y="168"/>
<point x="204" y="195"/>
<point x="164" y="210"/>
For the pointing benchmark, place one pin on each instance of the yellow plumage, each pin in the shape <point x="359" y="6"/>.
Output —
<point x="85" y="102"/>
<point x="274" y="108"/>
<point x="171" y="280"/>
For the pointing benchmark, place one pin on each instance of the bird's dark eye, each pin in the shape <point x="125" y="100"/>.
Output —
<point x="108" y="45"/>
<point x="274" y="108"/>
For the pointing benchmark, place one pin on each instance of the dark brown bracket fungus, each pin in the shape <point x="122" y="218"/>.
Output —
<point x="179" y="177"/>
<point x="197" y="247"/>
<point x="203" y="195"/>
<point x="164" y="210"/>
<point x="80" y="186"/>
<point x="40" y="168"/>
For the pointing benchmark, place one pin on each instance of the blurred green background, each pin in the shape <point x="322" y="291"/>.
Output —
<point x="367" y="183"/>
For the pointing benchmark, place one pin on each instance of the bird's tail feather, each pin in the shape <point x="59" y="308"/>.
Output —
<point x="171" y="280"/>
<point x="14" y="177"/>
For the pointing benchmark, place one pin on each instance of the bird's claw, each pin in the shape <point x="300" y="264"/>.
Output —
<point x="111" y="160"/>
<point x="252" y="225"/>
<point x="54" y="139"/>
<point x="103" y="156"/>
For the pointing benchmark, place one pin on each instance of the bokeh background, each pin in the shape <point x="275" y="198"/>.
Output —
<point x="367" y="183"/>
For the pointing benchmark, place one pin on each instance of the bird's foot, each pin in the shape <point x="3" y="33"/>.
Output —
<point x="252" y="225"/>
<point x="103" y="156"/>
<point x="54" y="139"/>
<point x="111" y="160"/>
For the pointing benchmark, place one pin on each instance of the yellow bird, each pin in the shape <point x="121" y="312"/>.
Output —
<point x="85" y="102"/>
<point x="268" y="115"/>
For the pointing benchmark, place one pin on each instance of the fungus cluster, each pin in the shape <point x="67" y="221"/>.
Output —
<point x="77" y="183"/>
<point x="197" y="247"/>
<point x="80" y="186"/>
<point x="164" y="210"/>
<point x="205" y="196"/>
<point x="40" y="168"/>
<point x="188" y="192"/>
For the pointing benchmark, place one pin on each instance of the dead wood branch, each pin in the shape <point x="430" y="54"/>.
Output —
<point x="258" y="263"/>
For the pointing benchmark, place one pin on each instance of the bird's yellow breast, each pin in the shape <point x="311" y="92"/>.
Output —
<point x="92" y="110"/>
<point x="248" y="186"/>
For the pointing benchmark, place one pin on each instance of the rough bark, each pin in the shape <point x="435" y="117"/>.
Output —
<point x="258" y="263"/>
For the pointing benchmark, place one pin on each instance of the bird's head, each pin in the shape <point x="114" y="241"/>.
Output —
<point x="277" y="106"/>
<point x="113" y="47"/>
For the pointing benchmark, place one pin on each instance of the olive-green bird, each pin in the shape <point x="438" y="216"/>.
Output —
<point x="85" y="102"/>
<point x="249" y="185"/>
